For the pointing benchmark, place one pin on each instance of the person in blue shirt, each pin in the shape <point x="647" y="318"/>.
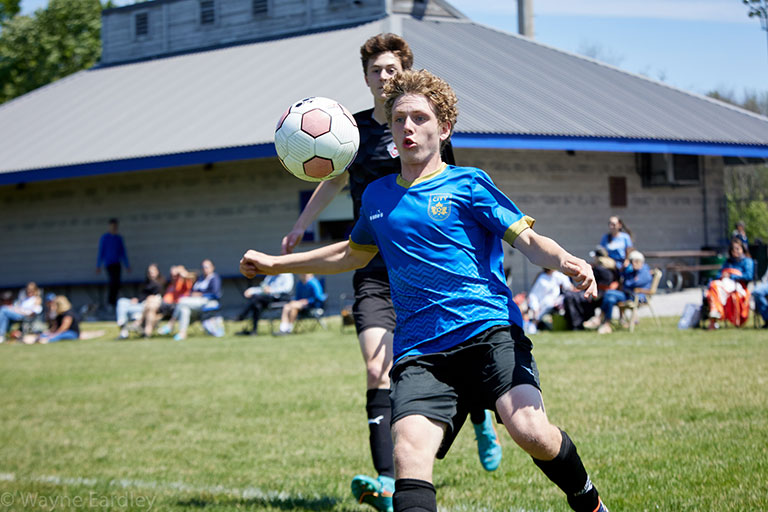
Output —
<point x="618" y="241"/>
<point x="635" y="275"/>
<point x="760" y="293"/>
<point x="112" y="256"/>
<point x="458" y="341"/>
<point x="309" y="295"/>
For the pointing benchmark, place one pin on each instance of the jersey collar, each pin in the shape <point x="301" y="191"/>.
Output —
<point x="408" y="184"/>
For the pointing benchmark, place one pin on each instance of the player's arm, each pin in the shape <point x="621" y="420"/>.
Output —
<point x="321" y="197"/>
<point x="545" y="252"/>
<point x="331" y="259"/>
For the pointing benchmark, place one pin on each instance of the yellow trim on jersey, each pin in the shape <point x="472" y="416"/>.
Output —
<point x="407" y="184"/>
<point x="518" y="227"/>
<point x="362" y="247"/>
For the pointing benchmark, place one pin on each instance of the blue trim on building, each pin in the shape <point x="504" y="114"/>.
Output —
<point x="459" y="140"/>
<point x="623" y="145"/>
<point x="141" y="164"/>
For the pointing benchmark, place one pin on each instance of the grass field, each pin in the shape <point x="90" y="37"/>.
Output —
<point x="664" y="420"/>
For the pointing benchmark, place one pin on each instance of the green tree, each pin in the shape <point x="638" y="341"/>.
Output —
<point x="56" y="41"/>
<point x="9" y="9"/>
<point x="747" y="199"/>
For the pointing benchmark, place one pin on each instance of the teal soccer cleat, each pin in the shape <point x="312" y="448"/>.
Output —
<point x="376" y="492"/>
<point x="488" y="447"/>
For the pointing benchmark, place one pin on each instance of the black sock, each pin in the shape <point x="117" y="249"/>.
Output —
<point x="568" y="473"/>
<point x="477" y="416"/>
<point x="414" y="496"/>
<point x="379" y="419"/>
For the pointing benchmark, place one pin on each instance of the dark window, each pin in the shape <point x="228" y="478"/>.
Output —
<point x="617" y="186"/>
<point x="663" y="169"/>
<point x="260" y="8"/>
<point x="207" y="12"/>
<point x="142" y="24"/>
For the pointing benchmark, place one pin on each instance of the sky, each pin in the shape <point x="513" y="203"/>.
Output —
<point x="696" y="45"/>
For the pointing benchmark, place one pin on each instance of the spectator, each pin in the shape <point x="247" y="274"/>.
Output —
<point x="156" y="307"/>
<point x="153" y="286"/>
<point x="66" y="325"/>
<point x="112" y="256"/>
<point x="740" y="232"/>
<point x="760" y="293"/>
<point x="578" y="309"/>
<point x="309" y="294"/>
<point x="27" y="305"/>
<point x="546" y="294"/>
<point x="635" y="275"/>
<point x="206" y="292"/>
<point x="731" y="285"/>
<point x="618" y="241"/>
<point x="273" y="288"/>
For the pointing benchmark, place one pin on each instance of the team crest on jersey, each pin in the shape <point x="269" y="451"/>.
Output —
<point x="392" y="150"/>
<point x="439" y="207"/>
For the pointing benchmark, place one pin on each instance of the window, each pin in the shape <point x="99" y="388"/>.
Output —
<point x="207" y="12"/>
<point x="142" y="24"/>
<point x="260" y="8"/>
<point x="664" y="169"/>
<point x="617" y="189"/>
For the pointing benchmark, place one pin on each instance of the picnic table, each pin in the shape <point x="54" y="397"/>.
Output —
<point x="683" y="261"/>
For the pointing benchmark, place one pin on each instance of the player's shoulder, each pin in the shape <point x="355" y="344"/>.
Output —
<point x="364" y="117"/>
<point x="468" y="174"/>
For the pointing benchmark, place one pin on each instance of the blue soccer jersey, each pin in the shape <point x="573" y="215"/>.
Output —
<point x="440" y="237"/>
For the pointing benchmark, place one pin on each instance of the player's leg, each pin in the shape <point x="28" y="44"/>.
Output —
<point x="522" y="410"/>
<point x="374" y="322"/>
<point x="511" y="378"/>
<point x="376" y="349"/>
<point x="417" y="440"/>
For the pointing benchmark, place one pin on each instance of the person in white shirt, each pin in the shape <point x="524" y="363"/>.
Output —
<point x="546" y="294"/>
<point x="28" y="304"/>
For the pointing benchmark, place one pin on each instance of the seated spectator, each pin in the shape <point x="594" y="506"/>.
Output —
<point x="740" y="232"/>
<point x="760" y="293"/>
<point x="579" y="309"/>
<point x="153" y="286"/>
<point x="727" y="295"/>
<point x="27" y="305"/>
<point x="156" y="307"/>
<point x="618" y="241"/>
<point x="635" y="275"/>
<point x="66" y="325"/>
<point x="546" y="294"/>
<point x="206" y="292"/>
<point x="309" y="294"/>
<point x="271" y="289"/>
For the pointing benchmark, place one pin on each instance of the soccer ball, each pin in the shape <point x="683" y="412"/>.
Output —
<point x="316" y="139"/>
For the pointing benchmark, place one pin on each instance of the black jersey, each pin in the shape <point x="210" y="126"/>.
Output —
<point x="376" y="157"/>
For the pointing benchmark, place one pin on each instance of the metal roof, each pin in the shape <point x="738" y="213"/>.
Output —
<point x="223" y="104"/>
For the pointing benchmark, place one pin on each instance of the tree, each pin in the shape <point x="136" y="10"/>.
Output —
<point x="9" y="9"/>
<point x="759" y="9"/>
<point x="753" y="101"/>
<point x="56" y="41"/>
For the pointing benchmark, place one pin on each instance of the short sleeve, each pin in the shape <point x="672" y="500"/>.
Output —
<point x="361" y="237"/>
<point x="496" y="211"/>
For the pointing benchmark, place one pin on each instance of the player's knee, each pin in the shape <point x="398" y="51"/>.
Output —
<point x="532" y="431"/>
<point x="377" y="373"/>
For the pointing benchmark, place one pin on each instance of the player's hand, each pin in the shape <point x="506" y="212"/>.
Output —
<point x="581" y="272"/>
<point x="253" y="263"/>
<point x="291" y="240"/>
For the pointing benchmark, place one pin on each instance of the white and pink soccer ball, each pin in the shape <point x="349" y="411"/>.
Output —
<point x="316" y="139"/>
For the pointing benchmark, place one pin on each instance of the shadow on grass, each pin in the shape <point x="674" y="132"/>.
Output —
<point x="277" y="502"/>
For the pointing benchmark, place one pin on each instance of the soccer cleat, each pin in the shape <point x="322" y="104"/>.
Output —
<point x="488" y="447"/>
<point x="376" y="492"/>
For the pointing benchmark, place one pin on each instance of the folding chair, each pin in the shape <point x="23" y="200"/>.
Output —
<point x="636" y="303"/>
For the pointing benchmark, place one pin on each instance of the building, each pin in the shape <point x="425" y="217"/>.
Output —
<point x="172" y="133"/>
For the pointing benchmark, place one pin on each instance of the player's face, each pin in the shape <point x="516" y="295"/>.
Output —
<point x="415" y="129"/>
<point x="381" y="68"/>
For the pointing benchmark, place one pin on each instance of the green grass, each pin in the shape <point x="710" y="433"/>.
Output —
<point x="664" y="420"/>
